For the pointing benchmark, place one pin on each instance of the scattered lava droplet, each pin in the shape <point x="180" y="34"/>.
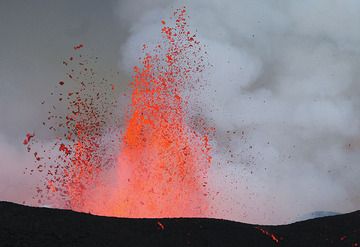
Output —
<point x="28" y="138"/>
<point x="77" y="47"/>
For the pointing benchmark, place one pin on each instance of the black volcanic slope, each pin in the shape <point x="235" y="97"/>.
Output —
<point x="28" y="226"/>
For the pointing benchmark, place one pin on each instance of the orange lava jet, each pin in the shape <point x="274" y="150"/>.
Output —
<point x="163" y="162"/>
<point x="164" y="156"/>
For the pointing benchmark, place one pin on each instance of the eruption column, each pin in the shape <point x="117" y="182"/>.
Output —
<point x="163" y="162"/>
<point x="163" y="155"/>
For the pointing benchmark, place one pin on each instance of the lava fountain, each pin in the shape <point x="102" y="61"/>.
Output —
<point x="161" y="167"/>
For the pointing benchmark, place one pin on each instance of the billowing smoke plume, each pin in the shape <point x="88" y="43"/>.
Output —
<point x="283" y="96"/>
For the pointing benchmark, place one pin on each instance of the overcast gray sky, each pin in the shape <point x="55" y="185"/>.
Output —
<point x="286" y="74"/>
<point x="35" y="37"/>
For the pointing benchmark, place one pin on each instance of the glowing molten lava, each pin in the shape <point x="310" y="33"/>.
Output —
<point x="161" y="168"/>
<point x="163" y="163"/>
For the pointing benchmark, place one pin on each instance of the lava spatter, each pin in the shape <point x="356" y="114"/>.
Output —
<point x="160" y="166"/>
<point x="80" y="115"/>
<point x="163" y="162"/>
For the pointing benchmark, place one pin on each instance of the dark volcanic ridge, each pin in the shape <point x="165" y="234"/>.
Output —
<point x="29" y="226"/>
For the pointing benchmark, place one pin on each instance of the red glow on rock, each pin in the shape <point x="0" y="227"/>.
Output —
<point x="271" y="235"/>
<point x="161" y="225"/>
<point x="342" y="238"/>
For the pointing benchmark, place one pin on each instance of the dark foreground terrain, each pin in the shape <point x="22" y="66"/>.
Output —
<point x="28" y="226"/>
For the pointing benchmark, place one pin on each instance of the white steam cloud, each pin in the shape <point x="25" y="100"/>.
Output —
<point x="283" y="96"/>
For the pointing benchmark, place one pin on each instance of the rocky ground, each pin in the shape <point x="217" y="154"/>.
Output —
<point x="29" y="226"/>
